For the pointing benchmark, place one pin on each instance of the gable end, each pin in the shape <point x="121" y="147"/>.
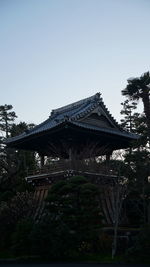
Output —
<point x="98" y="120"/>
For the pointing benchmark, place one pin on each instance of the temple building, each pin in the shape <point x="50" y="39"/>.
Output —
<point x="74" y="134"/>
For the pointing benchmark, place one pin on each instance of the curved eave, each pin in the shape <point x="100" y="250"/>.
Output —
<point x="25" y="137"/>
<point x="107" y="130"/>
<point x="21" y="140"/>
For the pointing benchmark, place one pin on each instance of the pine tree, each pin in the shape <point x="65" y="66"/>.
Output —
<point x="138" y="158"/>
<point x="7" y="117"/>
<point x="139" y="88"/>
<point x="13" y="163"/>
<point x="128" y="108"/>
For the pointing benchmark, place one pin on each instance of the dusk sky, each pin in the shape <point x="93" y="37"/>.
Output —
<point x="55" y="52"/>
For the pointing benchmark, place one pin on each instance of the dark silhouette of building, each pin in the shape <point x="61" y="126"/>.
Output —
<point x="72" y="137"/>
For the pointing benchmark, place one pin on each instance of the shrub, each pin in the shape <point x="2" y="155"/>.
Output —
<point x="21" y="206"/>
<point x="140" y="252"/>
<point x="21" y="237"/>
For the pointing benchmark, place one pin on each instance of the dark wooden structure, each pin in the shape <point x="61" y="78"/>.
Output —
<point x="72" y="129"/>
<point x="74" y="133"/>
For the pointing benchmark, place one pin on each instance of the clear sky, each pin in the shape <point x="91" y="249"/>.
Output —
<point x="55" y="52"/>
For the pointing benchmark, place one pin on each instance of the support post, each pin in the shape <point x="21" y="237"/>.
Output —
<point x="108" y="160"/>
<point x="42" y="161"/>
<point x="70" y="154"/>
<point x="70" y="157"/>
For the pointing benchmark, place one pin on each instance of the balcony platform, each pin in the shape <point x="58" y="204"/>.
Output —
<point x="62" y="171"/>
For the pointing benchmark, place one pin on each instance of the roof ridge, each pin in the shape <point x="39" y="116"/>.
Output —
<point x="83" y="113"/>
<point x="75" y="104"/>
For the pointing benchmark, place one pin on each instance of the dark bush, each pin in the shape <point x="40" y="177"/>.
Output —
<point x="21" y="206"/>
<point x="21" y="237"/>
<point x="140" y="251"/>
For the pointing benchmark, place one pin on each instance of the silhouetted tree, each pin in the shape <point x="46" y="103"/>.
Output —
<point x="72" y="220"/>
<point x="7" y="117"/>
<point x="139" y="88"/>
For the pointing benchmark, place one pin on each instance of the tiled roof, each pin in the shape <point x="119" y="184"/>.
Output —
<point x="73" y="113"/>
<point x="106" y="130"/>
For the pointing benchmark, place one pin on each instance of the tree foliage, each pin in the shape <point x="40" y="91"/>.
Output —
<point x="7" y="117"/>
<point x="13" y="163"/>
<point x="127" y="111"/>
<point x="76" y="203"/>
<point x="21" y="206"/>
<point x="139" y="88"/>
<point x="138" y="158"/>
<point x="70" y="224"/>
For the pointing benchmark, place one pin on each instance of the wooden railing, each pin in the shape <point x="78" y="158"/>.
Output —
<point x="72" y="165"/>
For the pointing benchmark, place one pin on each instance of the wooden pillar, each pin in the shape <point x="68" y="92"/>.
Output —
<point x="42" y="161"/>
<point x="70" y="154"/>
<point x="108" y="160"/>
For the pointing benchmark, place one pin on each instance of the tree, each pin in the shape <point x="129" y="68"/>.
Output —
<point x="127" y="110"/>
<point x="139" y="187"/>
<point x="21" y="206"/>
<point x="25" y="159"/>
<point x="19" y="128"/>
<point x="74" y="211"/>
<point x="139" y="252"/>
<point x="13" y="163"/>
<point x="138" y="158"/>
<point x="117" y="191"/>
<point x="7" y="116"/>
<point x="139" y="88"/>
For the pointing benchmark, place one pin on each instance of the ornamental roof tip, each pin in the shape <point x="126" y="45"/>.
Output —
<point x="97" y="95"/>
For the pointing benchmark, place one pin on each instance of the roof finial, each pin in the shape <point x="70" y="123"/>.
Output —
<point x="97" y="96"/>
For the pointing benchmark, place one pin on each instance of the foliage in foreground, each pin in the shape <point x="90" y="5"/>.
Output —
<point x="72" y="221"/>
<point x="140" y="250"/>
<point x="70" y="224"/>
<point x="21" y="206"/>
